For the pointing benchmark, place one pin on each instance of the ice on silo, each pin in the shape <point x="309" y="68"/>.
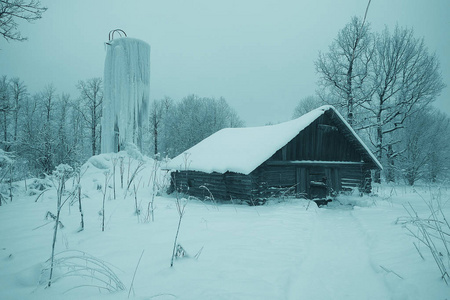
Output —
<point x="126" y="93"/>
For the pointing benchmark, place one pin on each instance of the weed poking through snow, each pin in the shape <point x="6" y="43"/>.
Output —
<point x="181" y="206"/>
<point x="73" y="263"/>
<point x="432" y="231"/>
<point x="60" y="175"/>
<point x="107" y="177"/>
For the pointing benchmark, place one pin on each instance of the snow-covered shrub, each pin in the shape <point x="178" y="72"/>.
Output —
<point x="5" y="159"/>
<point x="101" y="161"/>
<point x="133" y="151"/>
<point x="40" y="184"/>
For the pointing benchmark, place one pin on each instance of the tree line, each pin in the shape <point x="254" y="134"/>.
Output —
<point x="45" y="129"/>
<point x="177" y="126"/>
<point x="383" y="83"/>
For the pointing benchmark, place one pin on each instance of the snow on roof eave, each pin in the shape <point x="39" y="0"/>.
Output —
<point x="288" y="130"/>
<point x="374" y="159"/>
<point x="285" y="132"/>
<point x="307" y="122"/>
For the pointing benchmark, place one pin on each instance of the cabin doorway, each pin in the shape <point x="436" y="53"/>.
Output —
<point x="317" y="182"/>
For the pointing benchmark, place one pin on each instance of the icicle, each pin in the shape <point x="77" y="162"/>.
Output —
<point x="126" y="93"/>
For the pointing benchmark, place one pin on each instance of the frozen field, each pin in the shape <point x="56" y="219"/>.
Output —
<point x="290" y="249"/>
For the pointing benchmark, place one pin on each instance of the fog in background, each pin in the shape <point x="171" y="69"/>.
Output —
<point x="258" y="55"/>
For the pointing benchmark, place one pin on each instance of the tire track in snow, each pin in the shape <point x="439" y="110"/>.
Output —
<point x="338" y="263"/>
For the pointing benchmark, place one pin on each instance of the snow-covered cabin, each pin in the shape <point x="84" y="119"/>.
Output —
<point x="315" y="155"/>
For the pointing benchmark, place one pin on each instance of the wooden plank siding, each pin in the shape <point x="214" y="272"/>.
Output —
<point x="270" y="180"/>
<point x="299" y="174"/>
<point x="324" y="155"/>
<point x="321" y="141"/>
<point x="222" y="186"/>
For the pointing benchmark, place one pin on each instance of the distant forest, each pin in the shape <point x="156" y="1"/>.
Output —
<point x="43" y="130"/>
<point x="383" y="83"/>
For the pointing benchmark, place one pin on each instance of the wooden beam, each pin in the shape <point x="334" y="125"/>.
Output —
<point x="315" y="163"/>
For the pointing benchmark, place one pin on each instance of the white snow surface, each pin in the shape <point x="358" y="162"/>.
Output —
<point x="126" y="92"/>
<point x="242" y="150"/>
<point x="287" y="249"/>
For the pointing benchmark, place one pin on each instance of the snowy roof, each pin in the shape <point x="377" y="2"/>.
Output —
<point x="242" y="150"/>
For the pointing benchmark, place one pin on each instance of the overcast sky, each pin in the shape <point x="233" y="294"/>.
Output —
<point x="259" y="55"/>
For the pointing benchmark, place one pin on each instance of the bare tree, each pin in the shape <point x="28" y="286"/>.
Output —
<point x="48" y="134"/>
<point x="30" y="128"/>
<point x="18" y="94"/>
<point x="6" y="165"/>
<point x="12" y="11"/>
<point x="194" y="118"/>
<point x="39" y="135"/>
<point x="423" y="147"/>
<point x="5" y="111"/>
<point x="91" y="95"/>
<point x="158" y="112"/>
<point x="406" y="79"/>
<point x="232" y="120"/>
<point x="43" y="130"/>
<point x="384" y="78"/>
<point x="344" y="70"/>
<point x="439" y="160"/>
<point x="305" y="105"/>
<point x="77" y="128"/>
<point x="66" y="148"/>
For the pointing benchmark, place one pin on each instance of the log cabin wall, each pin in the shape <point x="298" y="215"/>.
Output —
<point x="226" y="186"/>
<point x="191" y="182"/>
<point x="306" y="177"/>
<point x="323" y="156"/>
<point x="270" y="180"/>
<point x="324" y="152"/>
<point x="240" y="186"/>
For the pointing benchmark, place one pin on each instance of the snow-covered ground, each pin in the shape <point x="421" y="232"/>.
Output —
<point x="291" y="249"/>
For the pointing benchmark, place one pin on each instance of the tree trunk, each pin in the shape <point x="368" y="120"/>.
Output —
<point x="5" y="132"/>
<point x="16" y="117"/>
<point x="411" y="176"/>
<point x="155" y="134"/>
<point x="390" y="172"/>
<point x="379" y="146"/>
<point x="349" y="94"/>
<point x="93" y="133"/>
